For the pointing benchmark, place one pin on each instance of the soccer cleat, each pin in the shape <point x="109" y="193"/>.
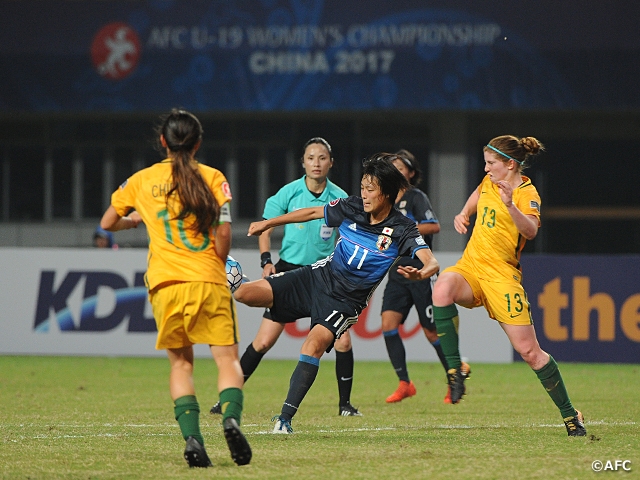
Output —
<point x="216" y="409"/>
<point x="349" y="410"/>
<point x="404" y="390"/>
<point x="236" y="441"/>
<point x="447" y="397"/>
<point x="195" y="454"/>
<point x="282" y="426"/>
<point x="575" y="425"/>
<point x="456" y="378"/>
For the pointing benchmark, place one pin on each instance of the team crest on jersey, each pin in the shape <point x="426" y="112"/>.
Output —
<point x="226" y="190"/>
<point x="333" y="203"/>
<point x="534" y="204"/>
<point x="383" y="243"/>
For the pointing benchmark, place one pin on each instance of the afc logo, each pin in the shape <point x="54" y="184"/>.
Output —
<point x="115" y="51"/>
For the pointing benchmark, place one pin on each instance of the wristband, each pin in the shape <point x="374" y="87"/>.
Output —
<point x="265" y="259"/>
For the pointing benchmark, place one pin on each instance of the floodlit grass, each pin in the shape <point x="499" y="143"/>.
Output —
<point x="112" y="418"/>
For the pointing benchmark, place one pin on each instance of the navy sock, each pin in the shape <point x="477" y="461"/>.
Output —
<point x="344" y="375"/>
<point x="438" y="348"/>
<point x="249" y="361"/>
<point x="301" y="380"/>
<point x="397" y="353"/>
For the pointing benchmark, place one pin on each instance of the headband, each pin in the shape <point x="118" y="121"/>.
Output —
<point x="504" y="154"/>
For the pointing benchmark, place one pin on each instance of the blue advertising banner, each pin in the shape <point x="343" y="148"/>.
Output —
<point x="316" y="55"/>
<point x="585" y="308"/>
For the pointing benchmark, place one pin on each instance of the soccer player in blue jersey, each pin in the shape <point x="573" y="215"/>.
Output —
<point x="335" y="290"/>
<point x="302" y="244"/>
<point x="401" y="294"/>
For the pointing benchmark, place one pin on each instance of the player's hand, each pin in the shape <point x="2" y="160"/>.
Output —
<point x="269" y="269"/>
<point x="411" y="273"/>
<point x="461" y="222"/>
<point x="135" y="218"/>
<point x="256" y="228"/>
<point x="506" y="192"/>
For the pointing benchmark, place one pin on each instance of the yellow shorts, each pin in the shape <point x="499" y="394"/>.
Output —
<point x="187" y="313"/>
<point x="505" y="302"/>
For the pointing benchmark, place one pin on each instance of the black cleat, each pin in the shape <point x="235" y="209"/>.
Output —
<point x="216" y="409"/>
<point x="575" y="425"/>
<point x="349" y="410"/>
<point x="237" y="443"/>
<point x="456" y="378"/>
<point x="195" y="454"/>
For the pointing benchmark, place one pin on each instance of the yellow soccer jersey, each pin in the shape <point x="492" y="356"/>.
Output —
<point x="176" y="253"/>
<point x="495" y="245"/>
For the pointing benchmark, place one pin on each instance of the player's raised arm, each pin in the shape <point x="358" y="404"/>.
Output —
<point x="297" y="216"/>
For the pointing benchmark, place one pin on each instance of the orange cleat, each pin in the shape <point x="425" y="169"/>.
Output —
<point x="447" y="397"/>
<point x="404" y="390"/>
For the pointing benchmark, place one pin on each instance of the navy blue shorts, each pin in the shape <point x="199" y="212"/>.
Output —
<point x="401" y="294"/>
<point x="306" y="292"/>
<point x="280" y="266"/>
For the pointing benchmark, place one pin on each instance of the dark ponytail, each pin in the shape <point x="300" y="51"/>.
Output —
<point x="182" y="132"/>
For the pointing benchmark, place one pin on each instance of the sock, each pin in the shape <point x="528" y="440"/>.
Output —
<point x="552" y="382"/>
<point x="231" y="400"/>
<point x="397" y="353"/>
<point x="344" y="375"/>
<point x="250" y="361"/>
<point x="301" y="380"/>
<point x="187" y="413"/>
<point x="447" y="320"/>
<point x="438" y="348"/>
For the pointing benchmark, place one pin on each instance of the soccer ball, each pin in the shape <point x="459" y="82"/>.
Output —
<point x="235" y="278"/>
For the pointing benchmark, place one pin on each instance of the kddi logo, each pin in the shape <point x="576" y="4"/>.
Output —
<point x="91" y="301"/>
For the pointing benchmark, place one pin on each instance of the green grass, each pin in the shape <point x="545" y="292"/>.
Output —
<point x="111" y="418"/>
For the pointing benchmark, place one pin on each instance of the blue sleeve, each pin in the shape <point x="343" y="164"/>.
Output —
<point x="334" y="212"/>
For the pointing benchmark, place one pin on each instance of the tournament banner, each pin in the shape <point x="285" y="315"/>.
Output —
<point x="93" y="302"/>
<point x="586" y="308"/>
<point x="318" y="55"/>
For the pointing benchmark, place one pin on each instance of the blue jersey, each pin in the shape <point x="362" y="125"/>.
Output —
<point x="365" y="252"/>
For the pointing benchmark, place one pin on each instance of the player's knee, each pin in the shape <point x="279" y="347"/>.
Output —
<point x="343" y="344"/>
<point x="264" y="344"/>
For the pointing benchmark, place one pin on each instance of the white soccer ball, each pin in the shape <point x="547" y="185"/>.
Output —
<point x="234" y="273"/>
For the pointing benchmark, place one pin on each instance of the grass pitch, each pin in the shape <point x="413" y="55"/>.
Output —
<point x="112" y="418"/>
